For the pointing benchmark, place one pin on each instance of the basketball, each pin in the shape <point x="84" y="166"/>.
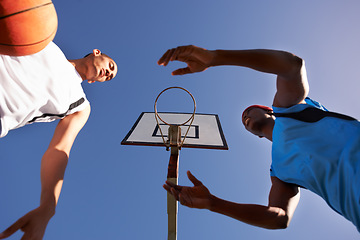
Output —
<point x="26" y="26"/>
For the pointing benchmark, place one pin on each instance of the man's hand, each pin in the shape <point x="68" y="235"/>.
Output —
<point x="33" y="224"/>
<point x="197" y="59"/>
<point x="197" y="196"/>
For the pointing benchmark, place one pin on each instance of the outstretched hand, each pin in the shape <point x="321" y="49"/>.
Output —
<point x="197" y="59"/>
<point x="197" y="196"/>
<point x="33" y="224"/>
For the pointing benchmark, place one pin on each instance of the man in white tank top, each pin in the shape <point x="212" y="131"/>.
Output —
<point x="44" y="87"/>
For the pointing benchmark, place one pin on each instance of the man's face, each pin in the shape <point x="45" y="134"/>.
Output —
<point x="254" y="119"/>
<point x="102" y="68"/>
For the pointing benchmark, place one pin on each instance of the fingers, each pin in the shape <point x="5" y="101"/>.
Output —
<point x="13" y="228"/>
<point x="167" y="188"/>
<point x="178" y="53"/>
<point x="169" y="185"/>
<point x="181" y="200"/>
<point x="164" y="60"/>
<point x="173" y="189"/>
<point x="181" y="71"/>
<point x="193" y="179"/>
<point x="183" y="54"/>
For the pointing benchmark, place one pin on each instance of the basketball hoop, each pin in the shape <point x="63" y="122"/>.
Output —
<point x="174" y="136"/>
<point x="206" y="132"/>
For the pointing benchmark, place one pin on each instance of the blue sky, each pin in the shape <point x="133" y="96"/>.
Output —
<point x="112" y="191"/>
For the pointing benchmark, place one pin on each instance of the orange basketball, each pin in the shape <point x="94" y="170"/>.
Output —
<point x="26" y="26"/>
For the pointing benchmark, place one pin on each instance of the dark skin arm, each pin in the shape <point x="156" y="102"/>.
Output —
<point x="283" y="200"/>
<point x="292" y="84"/>
<point x="292" y="88"/>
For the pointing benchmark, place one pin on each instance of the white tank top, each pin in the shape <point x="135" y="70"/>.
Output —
<point x="41" y="87"/>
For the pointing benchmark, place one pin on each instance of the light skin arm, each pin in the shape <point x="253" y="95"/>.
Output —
<point x="292" y="84"/>
<point x="283" y="200"/>
<point x="53" y="165"/>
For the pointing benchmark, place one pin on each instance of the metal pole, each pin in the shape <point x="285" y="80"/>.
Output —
<point x="172" y="176"/>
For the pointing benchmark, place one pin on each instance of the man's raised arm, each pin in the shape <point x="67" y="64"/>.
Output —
<point x="292" y="84"/>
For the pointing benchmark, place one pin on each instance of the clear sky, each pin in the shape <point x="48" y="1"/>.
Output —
<point x="112" y="191"/>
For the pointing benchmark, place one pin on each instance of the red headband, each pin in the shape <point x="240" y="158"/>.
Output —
<point x="266" y="108"/>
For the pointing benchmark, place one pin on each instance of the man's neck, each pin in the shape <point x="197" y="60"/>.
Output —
<point x="268" y="131"/>
<point x="79" y="67"/>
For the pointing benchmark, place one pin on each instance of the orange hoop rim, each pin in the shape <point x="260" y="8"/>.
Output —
<point x="192" y="97"/>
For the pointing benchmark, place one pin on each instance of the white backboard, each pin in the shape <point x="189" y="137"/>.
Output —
<point x="205" y="130"/>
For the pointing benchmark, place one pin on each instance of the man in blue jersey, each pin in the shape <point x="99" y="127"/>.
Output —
<point x="312" y="148"/>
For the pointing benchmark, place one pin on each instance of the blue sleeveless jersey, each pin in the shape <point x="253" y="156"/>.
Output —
<point x="323" y="157"/>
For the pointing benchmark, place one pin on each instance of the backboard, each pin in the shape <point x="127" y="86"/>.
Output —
<point x="205" y="130"/>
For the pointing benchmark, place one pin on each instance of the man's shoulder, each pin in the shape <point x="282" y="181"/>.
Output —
<point x="308" y="102"/>
<point x="85" y="112"/>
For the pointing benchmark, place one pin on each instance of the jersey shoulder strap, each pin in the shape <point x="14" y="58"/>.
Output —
<point x="312" y="115"/>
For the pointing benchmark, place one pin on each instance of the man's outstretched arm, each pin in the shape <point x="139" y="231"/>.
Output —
<point x="53" y="165"/>
<point x="283" y="200"/>
<point x="292" y="84"/>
